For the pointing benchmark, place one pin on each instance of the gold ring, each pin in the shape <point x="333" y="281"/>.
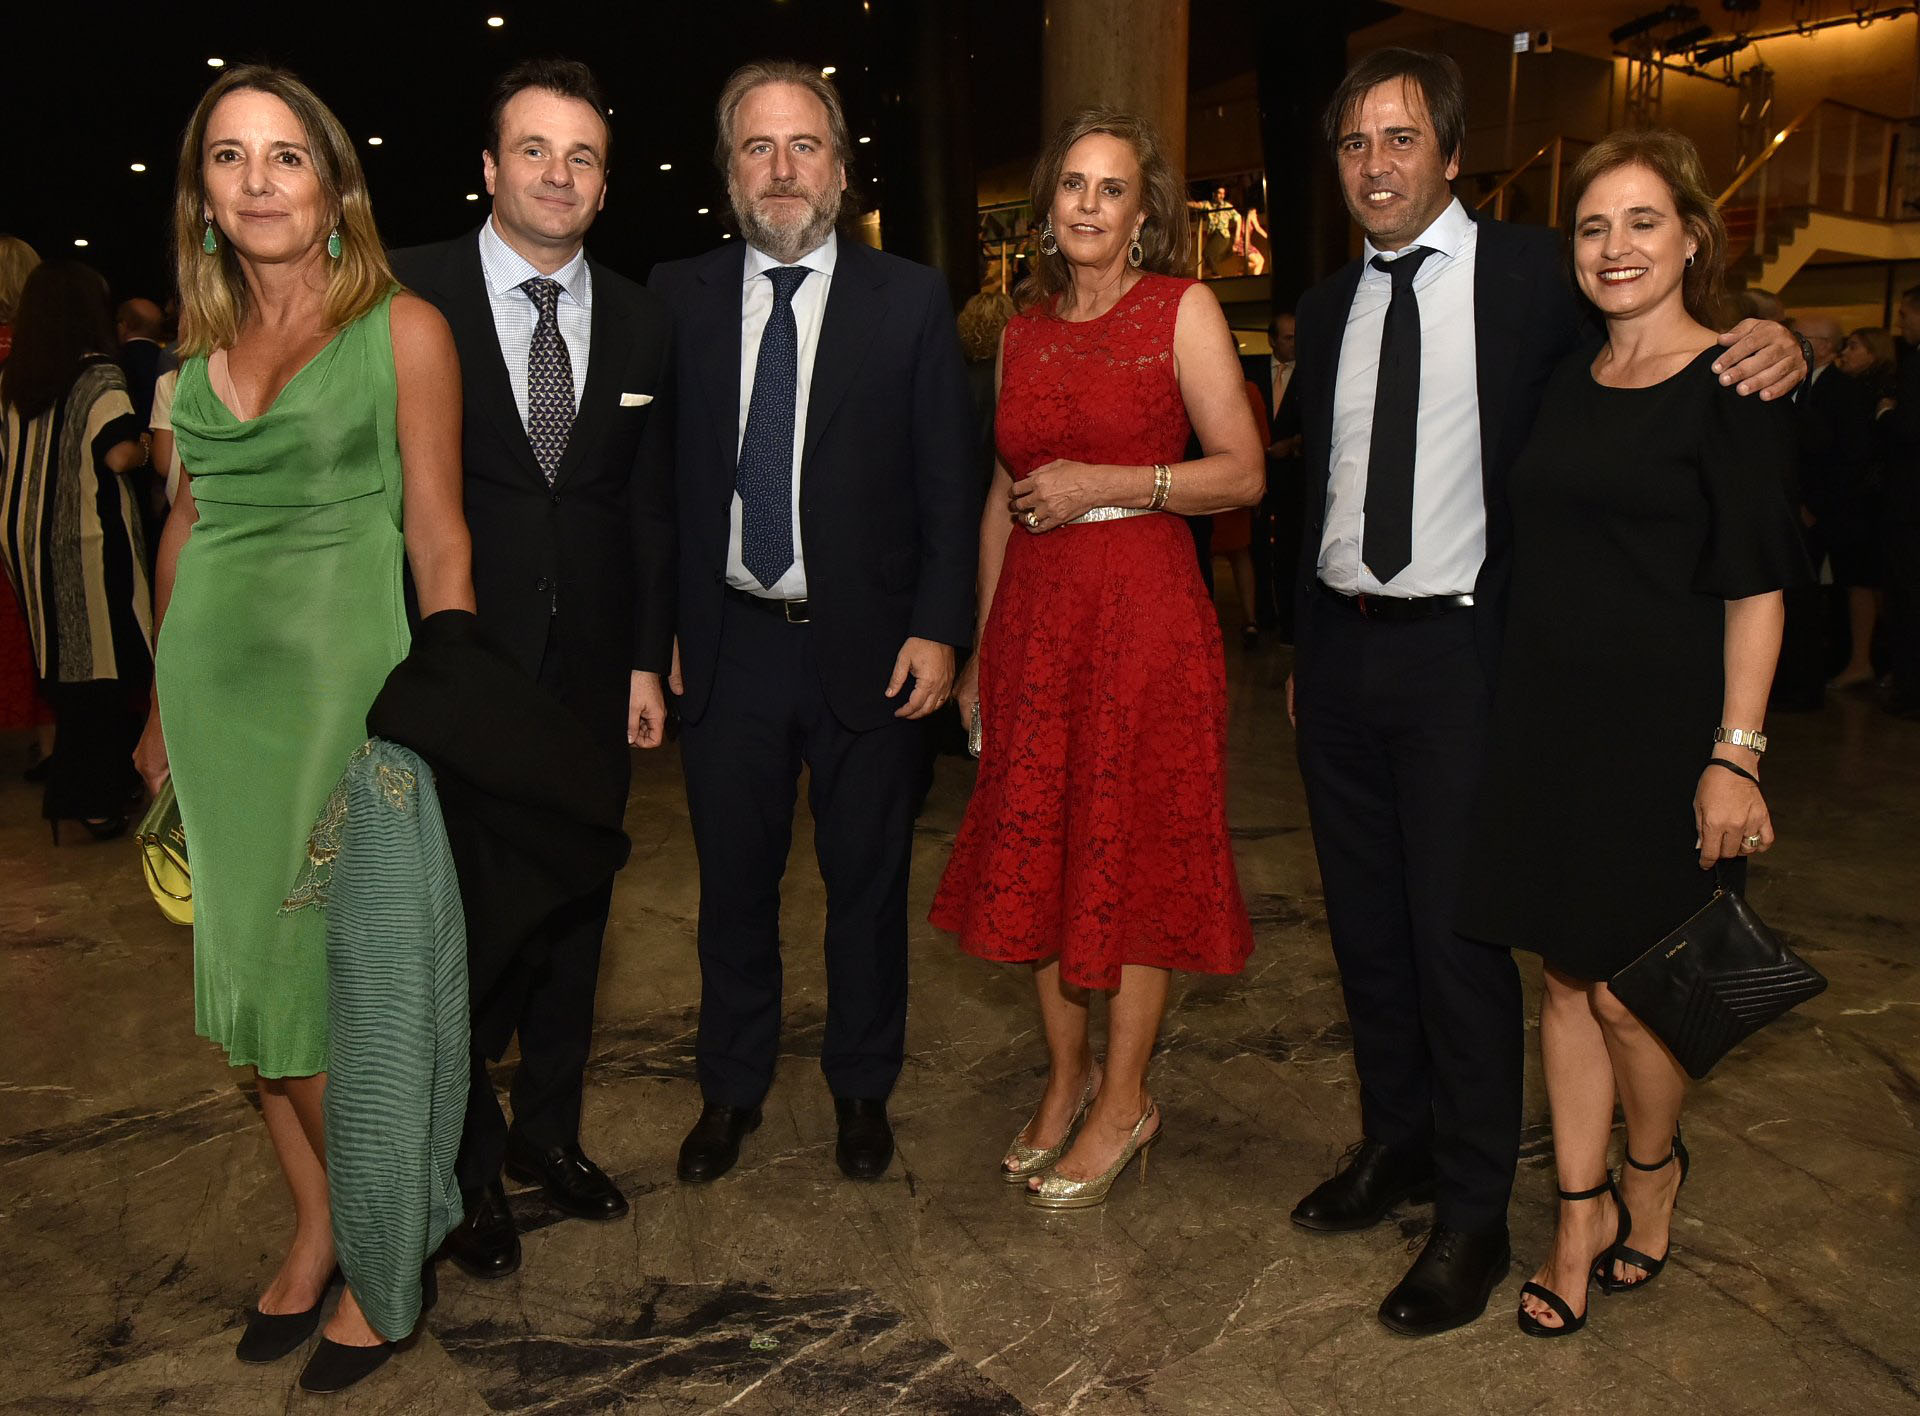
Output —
<point x="1752" y="843"/>
<point x="1033" y="520"/>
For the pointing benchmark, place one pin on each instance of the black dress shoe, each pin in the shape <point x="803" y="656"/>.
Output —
<point x="1449" y="1284"/>
<point x="335" y="1366"/>
<point x="271" y="1336"/>
<point x="1370" y="1181"/>
<point x="865" y="1149"/>
<point x="571" y="1181"/>
<point x="713" y="1145"/>
<point x="485" y="1243"/>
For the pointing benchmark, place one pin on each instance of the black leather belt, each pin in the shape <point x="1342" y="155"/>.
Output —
<point x="1396" y="607"/>
<point x="792" y="611"/>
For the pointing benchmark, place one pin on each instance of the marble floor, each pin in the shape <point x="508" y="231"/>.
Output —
<point x="139" y="1206"/>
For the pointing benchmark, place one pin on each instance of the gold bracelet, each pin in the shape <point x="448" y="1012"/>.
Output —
<point x="1162" y="484"/>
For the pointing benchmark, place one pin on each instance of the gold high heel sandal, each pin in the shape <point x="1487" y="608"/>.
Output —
<point x="1057" y="1192"/>
<point x="1023" y="1160"/>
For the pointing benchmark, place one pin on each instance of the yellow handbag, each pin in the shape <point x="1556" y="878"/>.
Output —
<point x="163" y="857"/>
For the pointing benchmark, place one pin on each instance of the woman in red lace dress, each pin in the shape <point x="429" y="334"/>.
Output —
<point x="1095" y="847"/>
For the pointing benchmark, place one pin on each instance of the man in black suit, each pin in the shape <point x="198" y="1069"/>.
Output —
<point x="1276" y="521"/>
<point x="1898" y="434"/>
<point x="1421" y="369"/>
<point x="569" y="499"/>
<point x="829" y="508"/>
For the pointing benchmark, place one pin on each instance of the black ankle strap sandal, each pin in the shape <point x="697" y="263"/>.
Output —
<point x="1562" y="1309"/>
<point x="1646" y="1263"/>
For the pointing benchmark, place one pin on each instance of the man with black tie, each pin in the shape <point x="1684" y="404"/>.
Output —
<point x="1421" y="370"/>
<point x="569" y="499"/>
<point x="828" y="509"/>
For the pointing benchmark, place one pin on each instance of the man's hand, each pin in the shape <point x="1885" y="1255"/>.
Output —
<point x="930" y="665"/>
<point x="675" y="684"/>
<point x="1762" y="357"/>
<point x="646" y="711"/>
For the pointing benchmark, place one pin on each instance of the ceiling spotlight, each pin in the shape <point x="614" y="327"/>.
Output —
<point x="701" y="212"/>
<point x="866" y="140"/>
<point x="216" y="63"/>
<point x="137" y="167"/>
<point x="375" y="142"/>
<point x="726" y="235"/>
<point x="666" y="167"/>
<point x="473" y="196"/>
<point x="495" y="21"/>
<point x="79" y="240"/>
<point x="1686" y="40"/>
<point x="828" y="72"/>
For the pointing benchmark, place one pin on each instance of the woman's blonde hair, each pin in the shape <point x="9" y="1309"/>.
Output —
<point x="17" y="260"/>
<point x="1674" y="159"/>
<point x="213" y="290"/>
<point x="981" y="320"/>
<point x="1163" y="198"/>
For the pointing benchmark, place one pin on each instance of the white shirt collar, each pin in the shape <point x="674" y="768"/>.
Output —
<point x="819" y="260"/>
<point x="1446" y="234"/>
<point x="506" y="269"/>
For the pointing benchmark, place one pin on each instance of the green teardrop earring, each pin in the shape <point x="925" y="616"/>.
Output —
<point x="209" y="242"/>
<point x="333" y="244"/>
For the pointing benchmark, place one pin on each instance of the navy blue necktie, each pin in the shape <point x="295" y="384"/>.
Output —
<point x="765" y="475"/>
<point x="1387" y="545"/>
<point x="549" y="379"/>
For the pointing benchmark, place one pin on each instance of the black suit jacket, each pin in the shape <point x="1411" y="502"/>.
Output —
<point x="1526" y="320"/>
<point x="594" y="553"/>
<point x="1836" y="459"/>
<point x="889" y="496"/>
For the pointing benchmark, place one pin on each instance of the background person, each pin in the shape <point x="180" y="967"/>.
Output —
<point x="317" y="415"/>
<point x="71" y="539"/>
<point x="1652" y="535"/>
<point x="1095" y="846"/>
<point x="21" y="707"/>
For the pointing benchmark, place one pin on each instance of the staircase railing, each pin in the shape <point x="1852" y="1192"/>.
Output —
<point x="1547" y="166"/>
<point x="1834" y="156"/>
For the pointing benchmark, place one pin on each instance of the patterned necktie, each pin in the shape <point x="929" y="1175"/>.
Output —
<point x="1387" y="546"/>
<point x="549" y="379"/>
<point x="765" y="475"/>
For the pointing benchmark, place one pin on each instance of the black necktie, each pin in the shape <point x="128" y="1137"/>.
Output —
<point x="1387" y="546"/>
<point x="549" y="379"/>
<point x="764" y="478"/>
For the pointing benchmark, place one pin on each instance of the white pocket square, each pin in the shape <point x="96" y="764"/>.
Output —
<point x="635" y="400"/>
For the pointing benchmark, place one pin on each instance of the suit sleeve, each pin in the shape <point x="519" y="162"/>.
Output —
<point x="946" y="489"/>
<point x="650" y="502"/>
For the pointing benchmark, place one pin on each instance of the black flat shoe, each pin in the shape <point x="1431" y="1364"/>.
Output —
<point x="1449" y="1284"/>
<point x="1562" y="1309"/>
<point x="335" y="1366"/>
<point x="571" y="1181"/>
<point x="485" y="1242"/>
<point x="1603" y="1266"/>
<point x="1371" y="1180"/>
<point x="271" y="1336"/>
<point x="865" y="1147"/>
<point x="713" y="1145"/>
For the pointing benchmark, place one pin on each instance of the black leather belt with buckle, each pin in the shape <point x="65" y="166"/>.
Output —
<point x="1396" y="607"/>
<point x="792" y="611"/>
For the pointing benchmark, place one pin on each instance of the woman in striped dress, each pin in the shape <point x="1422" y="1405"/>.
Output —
<point x="71" y="539"/>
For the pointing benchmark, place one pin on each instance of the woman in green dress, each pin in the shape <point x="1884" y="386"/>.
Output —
<point x="318" y="421"/>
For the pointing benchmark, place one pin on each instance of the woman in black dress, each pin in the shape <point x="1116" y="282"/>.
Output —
<point x="1652" y="536"/>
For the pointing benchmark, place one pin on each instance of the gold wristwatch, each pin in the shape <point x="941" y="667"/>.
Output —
<point x="1756" y="742"/>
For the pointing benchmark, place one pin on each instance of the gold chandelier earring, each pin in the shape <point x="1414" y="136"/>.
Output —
<point x="1049" y="243"/>
<point x="1134" y="254"/>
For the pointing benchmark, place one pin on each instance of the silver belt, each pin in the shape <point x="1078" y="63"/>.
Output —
<point x="1108" y="513"/>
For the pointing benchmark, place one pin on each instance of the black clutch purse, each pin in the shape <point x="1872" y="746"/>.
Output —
<point x="1714" y="982"/>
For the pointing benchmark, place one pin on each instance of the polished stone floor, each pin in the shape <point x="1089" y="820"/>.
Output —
<point x="139" y="1207"/>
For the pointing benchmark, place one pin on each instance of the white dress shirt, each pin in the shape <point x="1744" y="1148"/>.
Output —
<point x="515" y="314"/>
<point x="1449" y="502"/>
<point x="809" y="310"/>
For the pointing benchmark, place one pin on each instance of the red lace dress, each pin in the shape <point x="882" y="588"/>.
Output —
<point x="1097" y="831"/>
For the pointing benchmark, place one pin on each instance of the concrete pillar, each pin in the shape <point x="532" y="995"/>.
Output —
<point x="1126" y="54"/>
<point x="1301" y="55"/>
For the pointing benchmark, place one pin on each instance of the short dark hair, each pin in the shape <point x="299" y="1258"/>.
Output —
<point x="1436" y="76"/>
<point x="567" y="77"/>
<point x="64" y="315"/>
